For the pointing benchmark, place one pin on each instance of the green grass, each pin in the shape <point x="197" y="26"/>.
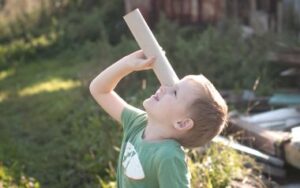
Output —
<point x="51" y="129"/>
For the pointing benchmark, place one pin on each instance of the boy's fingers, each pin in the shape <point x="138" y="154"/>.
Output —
<point x="150" y="61"/>
<point x="140" y="54"/>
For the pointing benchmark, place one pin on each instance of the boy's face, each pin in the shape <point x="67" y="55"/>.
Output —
<point x="170" y="104"/>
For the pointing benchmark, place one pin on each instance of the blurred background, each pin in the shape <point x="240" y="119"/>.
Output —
<point x="53" y="134"/>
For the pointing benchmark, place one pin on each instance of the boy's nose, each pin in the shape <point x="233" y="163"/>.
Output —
<point x="164" y="89"/>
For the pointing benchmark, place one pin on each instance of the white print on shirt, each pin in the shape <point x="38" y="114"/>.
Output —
<point x="131" y="163"/>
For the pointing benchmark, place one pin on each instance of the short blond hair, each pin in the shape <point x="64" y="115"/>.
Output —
<point x="208" y="112"/>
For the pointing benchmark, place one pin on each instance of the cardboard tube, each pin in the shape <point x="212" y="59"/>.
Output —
<point x="147" y="42"/>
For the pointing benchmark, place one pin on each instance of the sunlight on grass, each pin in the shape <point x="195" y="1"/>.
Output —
<point x="44" y="40"/>
<point x="49" y="86"/>
<point x="7" y="179"/>
<point x="19" y="47"/>
<point x="219" y="166"/>
<point x="6" y="73"/>
<point x="3" y="96"/>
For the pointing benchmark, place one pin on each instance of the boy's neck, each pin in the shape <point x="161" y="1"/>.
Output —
<point x="155" y="132"/>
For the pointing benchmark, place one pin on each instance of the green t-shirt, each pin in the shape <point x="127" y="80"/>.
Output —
<point x="148" y="164"/>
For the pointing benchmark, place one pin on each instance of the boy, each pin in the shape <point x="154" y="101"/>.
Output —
<point x="188" y="114"/>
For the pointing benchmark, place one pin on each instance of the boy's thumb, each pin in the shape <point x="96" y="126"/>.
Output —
<point x="151" y="60"/>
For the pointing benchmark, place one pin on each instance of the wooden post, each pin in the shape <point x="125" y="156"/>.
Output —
<point x="235" y="10"/>
<point x="279" y="16"/>
<point x="194" y="11"/>
<point x="252" y="6"/>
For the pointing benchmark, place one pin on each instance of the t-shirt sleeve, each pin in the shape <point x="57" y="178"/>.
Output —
<point x="173" y="173"/>
<point x="132" y="116"/>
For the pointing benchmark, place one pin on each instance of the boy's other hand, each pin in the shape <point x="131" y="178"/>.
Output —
<point x="137" y="61"/>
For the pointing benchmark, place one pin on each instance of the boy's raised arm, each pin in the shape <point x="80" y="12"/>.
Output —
<point x="102" y="87"/>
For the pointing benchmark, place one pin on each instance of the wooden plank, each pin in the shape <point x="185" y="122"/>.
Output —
<point x="288" y="58"/>
<point x="291" y="72"/>
<point x="281" y="119"/>
<point x="273" y="115"/>
<point x="284" y="125"/>
<point x="272" y="170"/>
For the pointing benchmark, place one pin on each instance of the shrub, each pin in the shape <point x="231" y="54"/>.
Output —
<point x="219" y="165"/>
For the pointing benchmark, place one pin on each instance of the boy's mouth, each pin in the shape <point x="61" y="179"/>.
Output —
<point x="155" y="96"/>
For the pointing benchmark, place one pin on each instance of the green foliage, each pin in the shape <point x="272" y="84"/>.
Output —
<point x="19" y="51"/>
<point x="8" y="179"/>
<point x="219" y="166"/>
<point x="60" y="28"/>
<point x="222" y="55"/>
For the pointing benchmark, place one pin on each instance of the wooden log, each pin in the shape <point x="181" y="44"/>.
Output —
<point x="292" y="149"/>
<point x="253" y="7"/>
<point x="272" y="170"/>
<point x="279" y="16"/>
<point x="147" y="42"/>
<point x="250" y="151"/>
<point x="283" y="145"/>
<point x="272" y="166"/>
<point x="261" y="139"/>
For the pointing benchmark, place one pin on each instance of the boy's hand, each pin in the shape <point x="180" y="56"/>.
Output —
<point x="102" y="87"/>
<point x="137" y="61"/>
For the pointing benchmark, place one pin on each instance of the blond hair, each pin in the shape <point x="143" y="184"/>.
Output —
<point x="208" y="112"/>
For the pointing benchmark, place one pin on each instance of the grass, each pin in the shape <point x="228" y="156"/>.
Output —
<point x="51" y="129"/>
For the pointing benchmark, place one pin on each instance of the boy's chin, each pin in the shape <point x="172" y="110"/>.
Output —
<point x="146" y="104"/>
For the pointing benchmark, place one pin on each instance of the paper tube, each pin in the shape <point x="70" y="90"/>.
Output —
<point x="147" y="42"/>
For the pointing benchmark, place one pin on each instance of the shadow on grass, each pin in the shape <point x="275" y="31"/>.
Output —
<point x="59" y="138"/>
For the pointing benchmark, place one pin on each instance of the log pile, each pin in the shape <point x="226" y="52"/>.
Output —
<point x="273" y="149"/>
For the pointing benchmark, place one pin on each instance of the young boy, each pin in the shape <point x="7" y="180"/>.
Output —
<point x="188" y="114"/>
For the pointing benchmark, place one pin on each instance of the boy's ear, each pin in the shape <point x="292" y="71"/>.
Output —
<point x="184" y="125"/>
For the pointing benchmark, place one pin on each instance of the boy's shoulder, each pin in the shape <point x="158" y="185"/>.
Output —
<point x="131" y="113"/>
<point x="170" y="149"/>
<point x="132" y="118"/>
<point x="171" y="161"/>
